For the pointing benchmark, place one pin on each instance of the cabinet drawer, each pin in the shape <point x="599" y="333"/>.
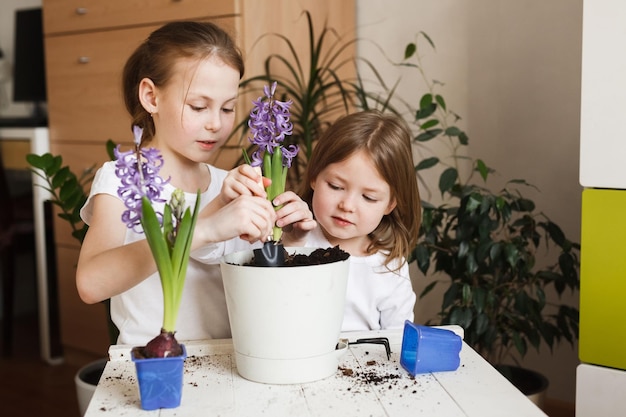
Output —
<point x="84" y="84"/>
<point x="63" y="16"/>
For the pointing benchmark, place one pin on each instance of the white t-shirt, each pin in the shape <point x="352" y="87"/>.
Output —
<point x="138" y="312"/>
<point x="377" y="297"/>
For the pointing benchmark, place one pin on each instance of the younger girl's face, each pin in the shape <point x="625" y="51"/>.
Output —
<point x="349" y="200"/>
<point x="195" y="110"/>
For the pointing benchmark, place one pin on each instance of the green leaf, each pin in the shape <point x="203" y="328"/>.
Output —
<point x="482" y="169"/>
<point x="428" y="289"/>
<point x="428" y="39"/>
<point x="471" y="264"/>
<point x="429" y="124"/>
<point x="442" y="103"/>
<point x="60" y="177"/>
<point x="520" y="344"/>
<point x="463" y="139"/>
<point x="426" y="101"/>
<point x="168" y="229"/>
<point x="495" y="251"/>
<point x="36" y="161"/>
<point x="480" y="297"/>
<point x="428" y="135"/>
<point x="556" y="234"/>
<point x="246" y="158"/>
<point x="447" y="180"/>
<point x="450" y="296"/>
<point x="511" y="254"/>
<point x="474" y="201"/>
<point x="422" y="257"/>
<point x="427" y="163"/>
<point x="453" y="131"/>
<point x="466" y="294"/>
<point x="410" y="50"/>
<point x="482" y="323"/>
<point x="161" y="255"/>
<point x="425" y="112"/>
<point x="463" y="249"/>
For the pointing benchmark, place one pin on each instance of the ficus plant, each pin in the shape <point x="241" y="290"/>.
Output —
<point x="484" y="246"/>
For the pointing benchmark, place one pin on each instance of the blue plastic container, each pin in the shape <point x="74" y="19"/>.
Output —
<point x="428" y="349"/>
<point x="160" y="381"/>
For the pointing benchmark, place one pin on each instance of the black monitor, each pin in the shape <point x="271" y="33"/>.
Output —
<point x="29" y="69"/>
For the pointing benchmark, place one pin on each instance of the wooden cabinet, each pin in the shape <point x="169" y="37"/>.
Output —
<point x="64" y="16"/>
<point x="87" y="43"/>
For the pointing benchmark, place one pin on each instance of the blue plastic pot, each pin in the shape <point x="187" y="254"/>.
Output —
<point x="160" y="381"/>
<point x="429" y="349"/>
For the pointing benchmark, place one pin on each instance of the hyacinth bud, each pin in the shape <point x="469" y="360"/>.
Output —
<point x="177" y="204"/>
<point x="137" y="134"/>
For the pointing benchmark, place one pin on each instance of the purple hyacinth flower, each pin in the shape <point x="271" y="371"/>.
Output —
<point x="138" y="179"/>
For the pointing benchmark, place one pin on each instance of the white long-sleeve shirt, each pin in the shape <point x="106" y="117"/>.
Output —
<point x="377" y="297"/>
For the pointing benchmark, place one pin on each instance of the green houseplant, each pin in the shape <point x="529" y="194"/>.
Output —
<point x="486" y="244"/>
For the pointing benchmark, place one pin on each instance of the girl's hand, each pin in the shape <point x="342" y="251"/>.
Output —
<point x="243" y="180"/>
<point x="249" y="217"/>
<point x="294" y="217"/>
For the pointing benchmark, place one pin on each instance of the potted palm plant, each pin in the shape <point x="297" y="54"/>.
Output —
<point x="329" y="87"/>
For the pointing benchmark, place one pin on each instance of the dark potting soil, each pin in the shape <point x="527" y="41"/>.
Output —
<point x="317" y="257"/>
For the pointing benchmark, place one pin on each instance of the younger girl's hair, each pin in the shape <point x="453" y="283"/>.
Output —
<point x="386" y="138"/>
<point x="156" y="56"/>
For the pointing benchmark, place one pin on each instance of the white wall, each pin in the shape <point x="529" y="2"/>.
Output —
<point x="512" y="70"/>
<point x="7" y="19"/>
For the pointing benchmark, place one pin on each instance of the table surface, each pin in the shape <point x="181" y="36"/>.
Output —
<point x="375" y="386"/>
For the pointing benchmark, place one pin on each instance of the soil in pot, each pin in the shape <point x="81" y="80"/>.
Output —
<point x="317" y="257"/>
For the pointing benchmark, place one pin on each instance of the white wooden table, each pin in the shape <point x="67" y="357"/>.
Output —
<point x="366" y="384"/>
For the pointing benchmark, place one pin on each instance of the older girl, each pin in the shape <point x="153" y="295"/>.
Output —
<point x="180" y="86"/>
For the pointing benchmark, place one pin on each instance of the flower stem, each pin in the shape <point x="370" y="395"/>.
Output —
<point x="273" y="167"/>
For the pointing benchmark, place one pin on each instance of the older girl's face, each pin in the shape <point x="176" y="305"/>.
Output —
<point x="350" y="199"/>
<point x="195" y="111"/>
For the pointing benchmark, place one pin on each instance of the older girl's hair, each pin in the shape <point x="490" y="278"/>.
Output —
<point x="386" y="138"/>
<point x="156" y="56"/>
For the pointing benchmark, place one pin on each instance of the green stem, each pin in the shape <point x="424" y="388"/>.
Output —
<point x="273" y="169"/>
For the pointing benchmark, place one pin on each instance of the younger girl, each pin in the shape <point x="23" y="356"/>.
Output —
<point x="361" y="185"/>
<point x="181" y="87"/>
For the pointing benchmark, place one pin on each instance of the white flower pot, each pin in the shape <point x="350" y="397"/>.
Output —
<point x="285" y="321"/>
<point x="86" y="380"/>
